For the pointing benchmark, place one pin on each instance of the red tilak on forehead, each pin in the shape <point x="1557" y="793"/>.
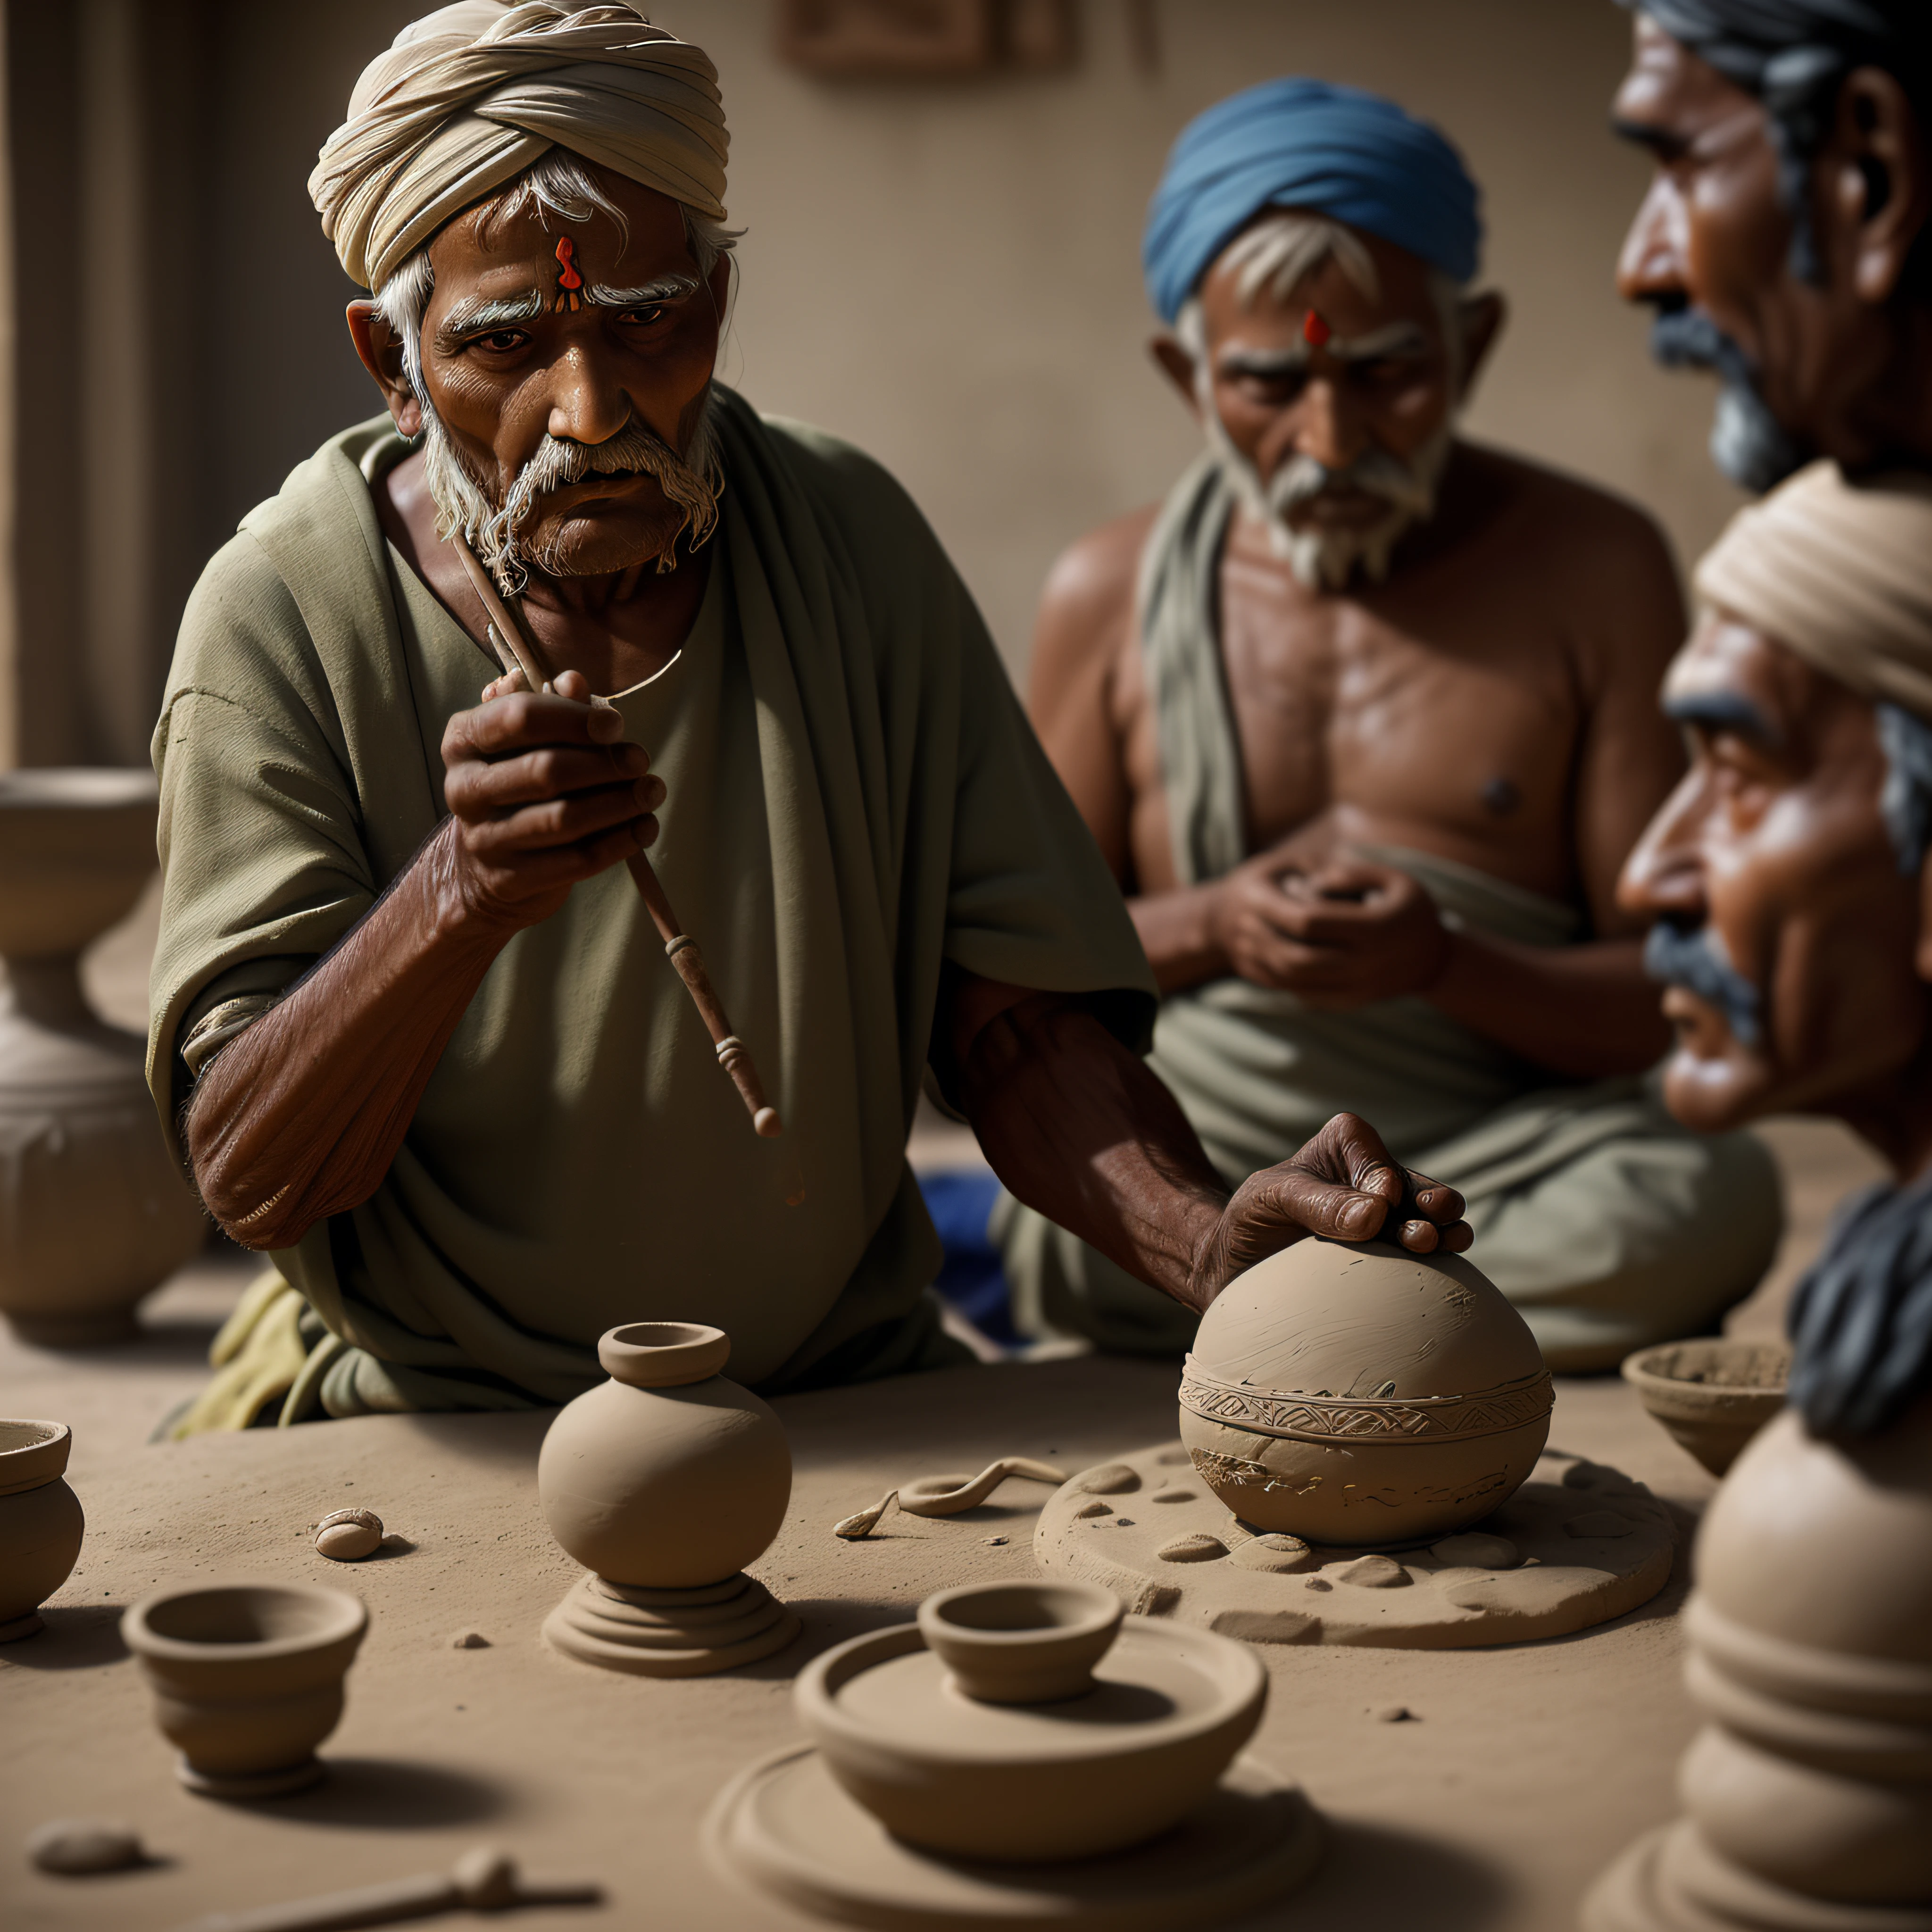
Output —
<point x="568" y="281"/>
<point x="1314" y="330"/>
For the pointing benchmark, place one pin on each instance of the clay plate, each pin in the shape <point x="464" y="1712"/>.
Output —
<point x="1592" y="1544"/>
<point x="785" y="1828"/>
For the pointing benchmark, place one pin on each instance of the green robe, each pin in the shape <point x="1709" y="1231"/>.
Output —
<point x="1609" y="1224"/>
<point x="855" y="797"/>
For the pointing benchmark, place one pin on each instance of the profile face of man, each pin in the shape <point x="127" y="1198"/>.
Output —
<point x="526" y="390"/>
<point x="1791" y="940"/>
<point x="1339" y="403"/>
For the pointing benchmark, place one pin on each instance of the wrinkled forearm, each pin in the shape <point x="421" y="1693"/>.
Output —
<point x="299" y="1116"/>
<point x="1586" y="1012"/>
<point x="1077" y="1127"/>
<point x="1176" y="934"/>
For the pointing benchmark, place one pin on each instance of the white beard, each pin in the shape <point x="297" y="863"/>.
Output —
<point x="1325" y="560"/>
<point x="494" y="531"/>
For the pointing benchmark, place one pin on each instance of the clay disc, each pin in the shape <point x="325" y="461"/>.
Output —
<point x="1590" y="1544"/>
<point x="784" y="1827"/>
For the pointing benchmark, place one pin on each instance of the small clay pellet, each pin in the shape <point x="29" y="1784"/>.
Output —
<point x="348" y="1535"/>
<point x="75" y="1846"/>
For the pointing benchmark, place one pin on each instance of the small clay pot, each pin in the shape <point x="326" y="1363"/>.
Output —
<point x="41" y="1522"/>
<point x="247" y="1678"/>
<point x="1353" y="1394"/>
<point x="1022" y="1643"/>
<point x="1031" y="1784"/>
<point x="667" y="1476"/>
<point x="1712" y="1395"/>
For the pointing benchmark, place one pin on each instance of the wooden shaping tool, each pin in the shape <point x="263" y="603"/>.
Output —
<point x="514" y="652"/>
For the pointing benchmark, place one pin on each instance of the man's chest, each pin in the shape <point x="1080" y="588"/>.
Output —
<point x="1454" y="711"/>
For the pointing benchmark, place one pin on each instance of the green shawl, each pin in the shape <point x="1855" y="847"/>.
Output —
<point x="855" y="798"/>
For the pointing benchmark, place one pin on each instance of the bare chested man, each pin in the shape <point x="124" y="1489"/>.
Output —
<point x="1364" y="718"/>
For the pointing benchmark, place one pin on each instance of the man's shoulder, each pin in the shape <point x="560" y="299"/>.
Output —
<point x="1093" y="581"/>
<point x="1563" y="513"/>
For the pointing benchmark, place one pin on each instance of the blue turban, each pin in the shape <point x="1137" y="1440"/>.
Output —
<point x="1296" y="143"/>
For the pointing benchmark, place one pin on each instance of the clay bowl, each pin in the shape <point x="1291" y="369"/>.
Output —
<point x="1168" y="1709"/>
<point x="1354" y="1394"/>
<point x="41" y="1522"/>
<point x="1713" y="1395"/>
<point x="76" y="847"/>
<point x="246" y="1678"/>
<point x="991" y="1638"/>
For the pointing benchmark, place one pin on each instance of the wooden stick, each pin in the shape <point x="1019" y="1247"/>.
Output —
<point x="511" y="643"/>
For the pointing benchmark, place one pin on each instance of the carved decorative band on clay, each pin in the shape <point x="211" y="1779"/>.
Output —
<point x="1308" y="1418"/>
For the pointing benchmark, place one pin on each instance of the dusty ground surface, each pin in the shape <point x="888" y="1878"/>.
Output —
<point x="1522" y="1771"/>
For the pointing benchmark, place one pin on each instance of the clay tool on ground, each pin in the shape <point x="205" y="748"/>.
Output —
<point x="947" y="1495"/>
<point x="484" y="1879"/>
<point x="515" y="653"/>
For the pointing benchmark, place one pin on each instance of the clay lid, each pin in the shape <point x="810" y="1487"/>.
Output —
<point x="32" y="1453"/>
<point x="1366" y="1321"/>
<point x="663" y="1354"/>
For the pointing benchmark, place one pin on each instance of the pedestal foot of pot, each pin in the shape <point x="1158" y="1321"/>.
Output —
<point x="1670" y="1880"/>
<point x="669" y="1633"/>
<point x="786" y="1828"/>
<point x="99" y="1329"/>
<point x="19" y="1627"/>
<point x="258" y="1784"/>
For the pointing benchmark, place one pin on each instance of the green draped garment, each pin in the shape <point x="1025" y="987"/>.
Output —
<point x="1608" y="1224"/>
<point x="855" y="797"/>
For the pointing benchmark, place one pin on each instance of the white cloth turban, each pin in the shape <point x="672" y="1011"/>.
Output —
<point x="1841" y="573"/>
<point x="472" y="95"/>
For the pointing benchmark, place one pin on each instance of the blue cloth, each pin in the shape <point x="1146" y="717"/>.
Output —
<point x="1298" y="143"/>
<point x="974" y="1278"/>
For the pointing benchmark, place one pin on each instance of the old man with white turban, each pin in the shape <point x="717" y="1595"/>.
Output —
<point x="412" y="1022"/>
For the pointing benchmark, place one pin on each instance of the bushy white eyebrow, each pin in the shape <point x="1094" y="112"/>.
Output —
<point x="472" y="317"/>
<point x="1395" y="338"/>
<point x="666" y="288"/>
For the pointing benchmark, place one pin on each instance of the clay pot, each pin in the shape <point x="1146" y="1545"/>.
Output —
<point x="247" y="1678"/>
<point x="1031" y="1783"/>
<point x="666" y="1481"/>
<point x="1353" y="1393"/>
<point x="1807" y="1795"/>
<point x="1713" y="1395"/>
<point x="94" y="1212"/>
<point x="41" y="1522"/>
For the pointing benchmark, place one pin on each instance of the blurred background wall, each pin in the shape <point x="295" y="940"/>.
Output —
<point x="946" y="272"/>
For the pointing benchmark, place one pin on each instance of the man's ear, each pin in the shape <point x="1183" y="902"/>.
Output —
<point x="381" y="351"/>
<point x="1877" y="180"/>
<point x="1179" y="367"/>
<point x="1483" y="319"/>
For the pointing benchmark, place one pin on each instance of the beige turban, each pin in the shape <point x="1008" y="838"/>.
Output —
<point x="470" y="95"/>
<point x="1840" y="571"/>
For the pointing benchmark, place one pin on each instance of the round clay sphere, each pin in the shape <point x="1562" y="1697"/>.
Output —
<point x="1354" y="1394"/>
<point x="667" y="1476"/>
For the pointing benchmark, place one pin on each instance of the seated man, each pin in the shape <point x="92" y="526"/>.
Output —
<point x="423" y="1042"/>
<point x="1364" y="718"/>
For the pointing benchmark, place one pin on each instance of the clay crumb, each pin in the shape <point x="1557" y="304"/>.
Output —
<point x="995" y="1541"/>
<point x="1376" y="1573"/>
<point x="1086" y="1511"/>
<point x="470" y="1639"/>
<point x="1173" y="1494"/>
<point x="73" y="1847"/>
<point x="1108" y="1479"/>
<point x="348" y="1535"/>
<point x="1319" y="1583"/>
<point x="1394" y="1714"/>
<point x="1196" y="1549"/>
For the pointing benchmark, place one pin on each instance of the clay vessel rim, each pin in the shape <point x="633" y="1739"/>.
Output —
<point x="1106" y="1609"/>
<point x="1381" y="1420"/>
<point x="346" y="1619"/>
<point x="1640" y="1370"/>
<point x="663" y="1354"/>
<point x="1236" y="1673"/>
<point x="78" y="788"/>
<point x="41" y="1460"/>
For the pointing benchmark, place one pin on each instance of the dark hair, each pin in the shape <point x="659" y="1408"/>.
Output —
<point x="1794" y="55"/>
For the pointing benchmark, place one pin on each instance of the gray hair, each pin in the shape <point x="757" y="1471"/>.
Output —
<point x="1279" y="252"/>
<point x="1905" y="802"/>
